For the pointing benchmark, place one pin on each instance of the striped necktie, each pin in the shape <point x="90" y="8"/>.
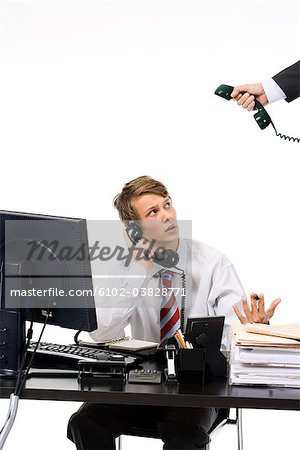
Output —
<point x="169" y="311"/>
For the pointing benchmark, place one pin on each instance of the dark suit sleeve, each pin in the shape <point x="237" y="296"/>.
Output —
<point x="289" y="81"/>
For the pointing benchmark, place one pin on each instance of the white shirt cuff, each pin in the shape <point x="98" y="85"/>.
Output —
<point x="273" y="91"/>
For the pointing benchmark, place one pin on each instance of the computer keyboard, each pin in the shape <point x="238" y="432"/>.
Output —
<point x="67" y="356"/>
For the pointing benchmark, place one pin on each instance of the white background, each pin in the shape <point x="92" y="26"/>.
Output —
<point x="93" y="94"/>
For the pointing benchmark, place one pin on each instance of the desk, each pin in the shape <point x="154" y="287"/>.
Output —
<point x="216" y="393"/>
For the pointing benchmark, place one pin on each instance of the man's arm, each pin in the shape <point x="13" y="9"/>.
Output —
<point x="284" y="85"/>
<point x="115" y="304"/>
<point x="111" y="323"/>
<point x="226" y="291"/>
<point x="289" y="81"/>
<point x="114" y="301"/>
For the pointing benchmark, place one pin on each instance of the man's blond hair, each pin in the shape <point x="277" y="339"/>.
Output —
<point x="134" y="189"/>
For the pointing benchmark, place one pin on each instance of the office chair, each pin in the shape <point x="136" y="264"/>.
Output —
<point x="222" y="419"/>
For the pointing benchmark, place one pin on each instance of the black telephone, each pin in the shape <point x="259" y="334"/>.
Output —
<point x="261" y="116"/>
<point x="167" y="258"/>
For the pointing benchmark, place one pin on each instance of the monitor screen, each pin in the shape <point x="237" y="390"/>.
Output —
<point x="45" y="266"/>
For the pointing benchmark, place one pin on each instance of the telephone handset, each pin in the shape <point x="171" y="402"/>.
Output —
<point x="167" y="258"/>
<point x="261" y="116"/>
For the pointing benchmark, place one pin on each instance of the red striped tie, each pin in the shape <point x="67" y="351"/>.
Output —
<point x="169" y="311"/>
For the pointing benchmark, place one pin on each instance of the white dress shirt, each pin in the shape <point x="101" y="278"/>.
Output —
<point x="213" y="286"/>
<point x="273" y="91"/>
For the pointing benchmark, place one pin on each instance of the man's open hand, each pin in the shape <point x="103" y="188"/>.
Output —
<point x="256" y="313"/>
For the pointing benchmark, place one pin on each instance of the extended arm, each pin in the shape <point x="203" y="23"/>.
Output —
<point x="284" y="85"/>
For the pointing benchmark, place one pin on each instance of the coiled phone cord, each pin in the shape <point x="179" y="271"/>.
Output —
<point x="283" y="136"/>
<point x="183" y="299"/>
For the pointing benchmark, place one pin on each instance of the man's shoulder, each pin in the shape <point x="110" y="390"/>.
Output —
<point x="200" y="250"/>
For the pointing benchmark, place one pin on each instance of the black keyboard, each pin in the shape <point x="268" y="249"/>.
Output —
<point x="67" y="356"/>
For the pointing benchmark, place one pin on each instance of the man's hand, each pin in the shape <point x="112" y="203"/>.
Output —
<point x="257" y="313"/>
<point x="251" y="91"/>
<point x="142" y="252"/>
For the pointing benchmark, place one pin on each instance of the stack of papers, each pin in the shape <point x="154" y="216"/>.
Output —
<point x="266" y="355"/>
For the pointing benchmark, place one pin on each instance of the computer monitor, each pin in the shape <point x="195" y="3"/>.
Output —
<point x="45" y="266"/>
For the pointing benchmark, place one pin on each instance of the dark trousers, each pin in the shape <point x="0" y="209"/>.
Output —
<point x="95" y="426"/>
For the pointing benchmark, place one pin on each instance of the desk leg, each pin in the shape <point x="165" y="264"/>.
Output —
<point x="119" y="443"/>
<point x="12" y="412"/>
<point x="239" y="428"/>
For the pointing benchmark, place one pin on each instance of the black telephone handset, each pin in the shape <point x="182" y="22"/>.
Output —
<point x="261" y="117"/>
<point x="167" y="258"/>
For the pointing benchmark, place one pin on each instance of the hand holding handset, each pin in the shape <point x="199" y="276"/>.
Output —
<point x="166" y="258"/>
<point x="261" y="117"/>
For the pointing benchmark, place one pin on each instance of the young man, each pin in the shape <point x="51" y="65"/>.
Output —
<point x="213" y="288"/>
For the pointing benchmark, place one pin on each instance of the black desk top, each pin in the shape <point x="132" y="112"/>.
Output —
<point x="217" y="393"/>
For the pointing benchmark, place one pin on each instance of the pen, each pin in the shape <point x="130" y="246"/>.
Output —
<point x="257" y="298"/>
<point x="179" y="338"/>
<point x="182" y="338"/>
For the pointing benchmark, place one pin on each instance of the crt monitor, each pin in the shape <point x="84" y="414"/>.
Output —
<point x="45" y="266"/>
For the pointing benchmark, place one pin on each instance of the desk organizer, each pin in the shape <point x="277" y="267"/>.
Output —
<point x="190" y="365"/>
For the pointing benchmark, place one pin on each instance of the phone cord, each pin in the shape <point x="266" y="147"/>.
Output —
<point x="283" y="136"/>
<point x="183" y="301"/>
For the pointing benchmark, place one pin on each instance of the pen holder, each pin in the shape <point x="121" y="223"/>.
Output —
<point x="191" y="365"/>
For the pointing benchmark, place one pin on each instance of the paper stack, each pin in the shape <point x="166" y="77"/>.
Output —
<point x="266" y="355"/>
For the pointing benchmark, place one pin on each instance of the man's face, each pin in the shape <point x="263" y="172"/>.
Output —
<point x="158" y="218"/>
